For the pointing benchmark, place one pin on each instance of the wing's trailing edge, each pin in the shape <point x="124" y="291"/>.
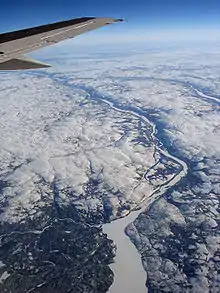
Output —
<point x="22" y="63"/>
<point x="14" y="44"/>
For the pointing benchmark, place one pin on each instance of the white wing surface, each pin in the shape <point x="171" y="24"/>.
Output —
<point x="14" y="44"/>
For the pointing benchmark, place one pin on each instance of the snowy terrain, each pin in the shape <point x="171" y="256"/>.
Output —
<point x="75" y="138"/>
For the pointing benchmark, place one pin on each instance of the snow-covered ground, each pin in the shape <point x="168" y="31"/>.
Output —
<point x="68" y="136"/>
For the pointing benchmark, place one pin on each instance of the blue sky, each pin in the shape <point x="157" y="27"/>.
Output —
<point x="139" y="14"/>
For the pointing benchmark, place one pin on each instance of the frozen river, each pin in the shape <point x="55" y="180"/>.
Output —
<point x="129" y="274"/>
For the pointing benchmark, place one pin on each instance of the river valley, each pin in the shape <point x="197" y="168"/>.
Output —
<point x="128" y="261"/>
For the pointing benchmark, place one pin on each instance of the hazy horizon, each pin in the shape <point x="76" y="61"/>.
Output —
<point x="154" y="21"/>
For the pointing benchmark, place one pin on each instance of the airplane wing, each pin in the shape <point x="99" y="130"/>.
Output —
<point x="14" y="44"/>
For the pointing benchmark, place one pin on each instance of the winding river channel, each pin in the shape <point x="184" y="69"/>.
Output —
<point x="129" y="274"/>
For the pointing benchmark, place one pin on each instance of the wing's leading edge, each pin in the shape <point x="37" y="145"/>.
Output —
<point x="14" y="44"/>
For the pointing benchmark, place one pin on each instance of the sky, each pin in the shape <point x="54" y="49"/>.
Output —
<point x="139" y="15"/>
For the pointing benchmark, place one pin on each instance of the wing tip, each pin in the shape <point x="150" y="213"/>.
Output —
<point x="111" y="20"/>
<point x="119" y="20"/>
